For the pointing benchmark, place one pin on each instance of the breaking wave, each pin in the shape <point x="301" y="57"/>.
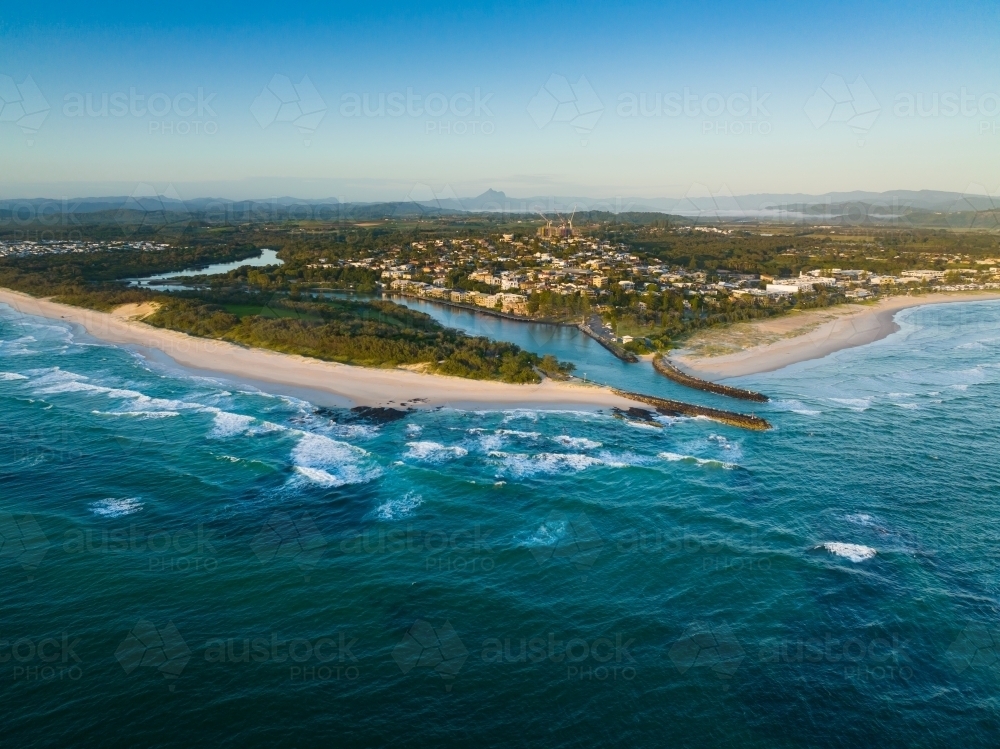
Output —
<point x="576" y="443"/>
<point x="397" y="508"/>
<point x="855" y="552"/>
<point x="433" y="452"/>
<point x="328" y="463"/>
<point x="678" y="458"/>
<point x="116" y="508"/>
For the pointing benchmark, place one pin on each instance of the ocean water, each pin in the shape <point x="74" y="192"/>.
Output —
<point x="186" y="561"/>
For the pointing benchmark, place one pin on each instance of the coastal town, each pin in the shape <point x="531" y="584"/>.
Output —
<point x="637" y="288"/>
<point x="26" y="248"/>
<point x="621" y="294"/>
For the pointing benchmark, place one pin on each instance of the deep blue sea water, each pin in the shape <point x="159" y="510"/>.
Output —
<point x="186" y="561"/>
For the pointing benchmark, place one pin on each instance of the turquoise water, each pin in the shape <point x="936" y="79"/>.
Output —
<point x="186" y="561"/>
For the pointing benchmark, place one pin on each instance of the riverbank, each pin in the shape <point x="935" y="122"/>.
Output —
<point x="767" y="345"/>
<point x="359" y="385"/>
<point x="478" y="309"/>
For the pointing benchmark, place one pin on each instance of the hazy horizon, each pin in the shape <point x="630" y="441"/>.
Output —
<point x="374" y="104"/>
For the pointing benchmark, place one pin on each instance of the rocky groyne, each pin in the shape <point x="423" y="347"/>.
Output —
<point x="677" y="408"/>
<point x="665" y="368"/>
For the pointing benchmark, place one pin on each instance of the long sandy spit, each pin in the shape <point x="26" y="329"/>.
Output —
<point x="360" y="386"/>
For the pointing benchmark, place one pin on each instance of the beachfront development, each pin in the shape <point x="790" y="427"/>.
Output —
<point x="640" y="283"/>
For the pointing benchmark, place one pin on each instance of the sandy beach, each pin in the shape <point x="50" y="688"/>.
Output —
<point x="767" y="345"/>
<point x="361" y="386"/>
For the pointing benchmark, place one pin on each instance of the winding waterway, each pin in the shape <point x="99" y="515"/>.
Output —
<point x="266" y="258"/>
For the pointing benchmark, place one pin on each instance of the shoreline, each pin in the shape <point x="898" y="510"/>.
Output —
<point x="808" y="335"/>
<point x="359" y="386"/>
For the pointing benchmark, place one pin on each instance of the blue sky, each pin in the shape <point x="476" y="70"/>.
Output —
<point x="636" y="99"/>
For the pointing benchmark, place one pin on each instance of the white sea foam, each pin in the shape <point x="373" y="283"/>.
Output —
<point x="516" y="433"/>
<point x="855" y="404"/>
<point x="397" y="508"/>
<point x="227" y="424"/>
<point x="854" y="552"/>
<point x="490" y="442"/>
<point x="139" y="414"/>
<point x="11" y="376"/>
<point x="859" y="518"/>
<point x="320" y="477"/>
<point x="329" y="463"/>
<point x="433" y="452"/>
<point x="116" y="508"/>
<point x="722" y="442"/>
<point x="17" y="346"/>
<point x="412" y="430"/>
<point x="677" y="457"/>
<point x="520" y="465"/>
<point x="354" y="431"/>
<point x="230" y="424"/>
<point x="576" y="443"/>
<point x="643" y="425"/>
<point x="548" y="533"/>
<point x="72" y="386"/>
<point x="519" y="414"/>
<point x="622" y="460"/>
<point x="795" y="407"/>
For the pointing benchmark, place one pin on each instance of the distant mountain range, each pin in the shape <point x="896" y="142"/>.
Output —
<point x="703" y="205"/>
<point x="724" y="204"/>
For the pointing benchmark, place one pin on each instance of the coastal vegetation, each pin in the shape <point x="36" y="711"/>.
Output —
<point x="369" y="333"/>
<point x="374" y="333"/>
<point x="645" y="282"/>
